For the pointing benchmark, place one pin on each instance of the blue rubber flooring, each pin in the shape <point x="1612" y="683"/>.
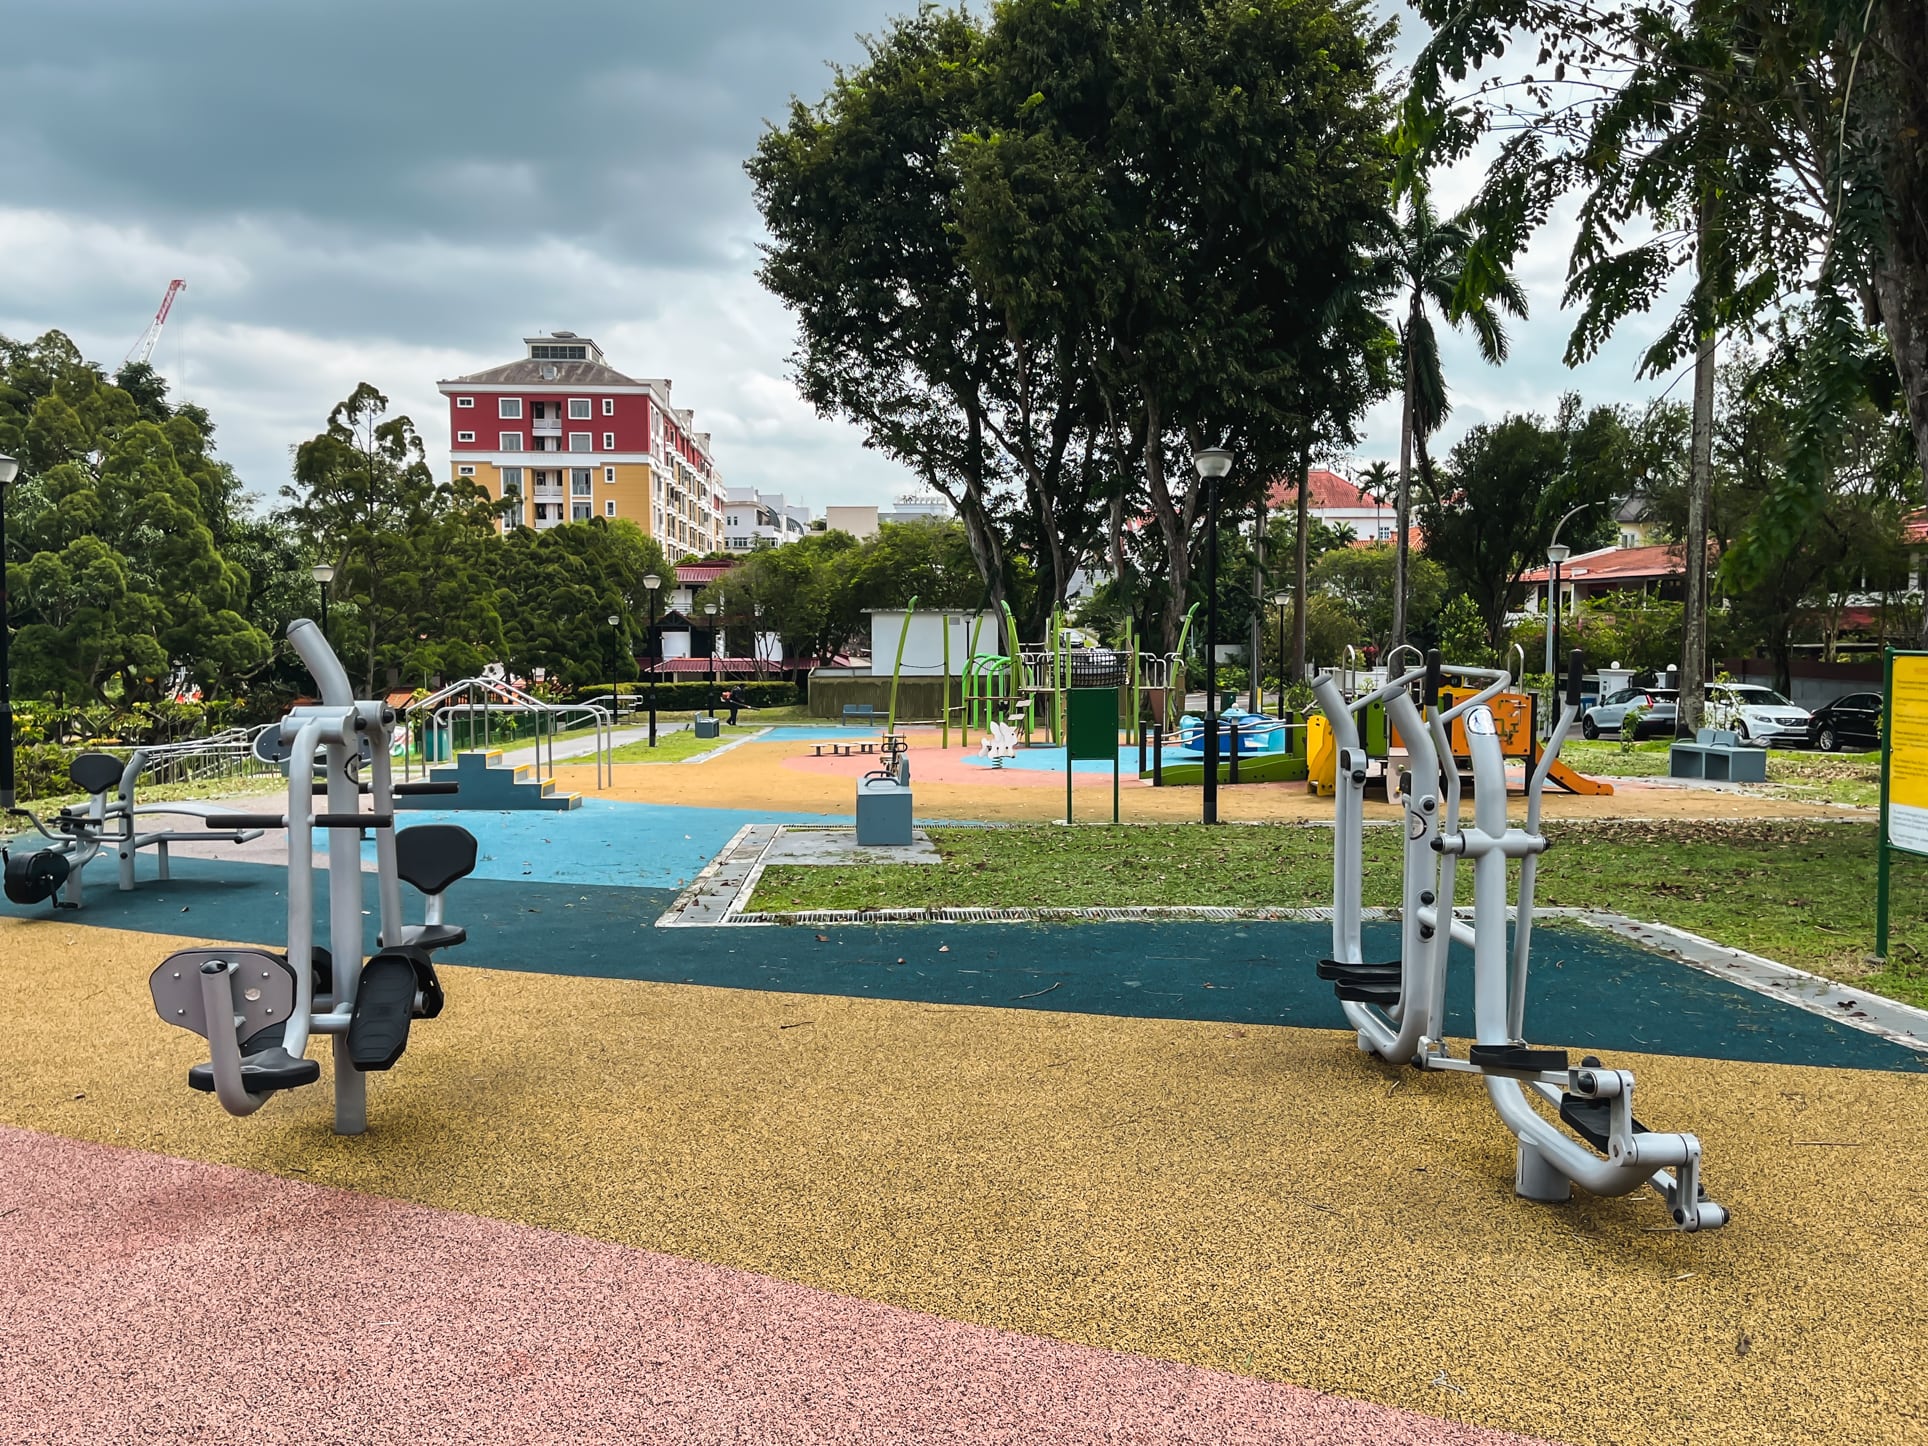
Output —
<point x="1590" y="991"/>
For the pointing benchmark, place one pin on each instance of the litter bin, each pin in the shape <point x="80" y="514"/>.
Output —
<point x="707" y="727"/>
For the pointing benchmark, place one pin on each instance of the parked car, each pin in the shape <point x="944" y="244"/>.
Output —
<point x="1757" y="714"/>
<point x="1657" y="711"/>
<point x="1850" y="722"/>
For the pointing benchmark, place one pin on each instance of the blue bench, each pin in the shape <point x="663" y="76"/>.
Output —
<point x="862" y="712"/>
<point x="1719" y="757"/>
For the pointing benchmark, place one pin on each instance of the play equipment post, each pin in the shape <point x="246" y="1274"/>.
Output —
<point x="944" y="691"/>
<point x="897" y="667"/>
<point x="1904" y="773"/>
<point x="1091" y="731"/>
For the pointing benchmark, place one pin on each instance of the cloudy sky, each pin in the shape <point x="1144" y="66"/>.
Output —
<point x="397" y="192"/>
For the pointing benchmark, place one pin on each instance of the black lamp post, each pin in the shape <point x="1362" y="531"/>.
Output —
<point x="324" y="574"/>
<point x="615" y="656"/>
<point x="650" y="583"/>
<point x="9" y="469"/>
<point x="709" y="611"/>
<point x="1212" y="464"/>
<point x="1279" y="600"/>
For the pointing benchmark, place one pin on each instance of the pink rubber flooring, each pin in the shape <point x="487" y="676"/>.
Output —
<point x="148" y="1299"/>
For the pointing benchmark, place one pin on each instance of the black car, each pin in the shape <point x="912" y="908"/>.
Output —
<point x="1850" y="722"/>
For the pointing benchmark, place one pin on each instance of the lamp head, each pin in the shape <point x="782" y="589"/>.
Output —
<point x="709" y="609"/>
<point x="322" y="573"/>
<point x="1559" y="552"/>
<point x="651" y="581"/>
<point x="1212" y="461"/>
<point x="614" y="619"/>
<point x="1281" y="599"/>
<point x="9" y="469"/>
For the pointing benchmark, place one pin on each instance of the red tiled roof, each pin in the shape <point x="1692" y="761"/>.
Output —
<point x="697" y="574"/>
<point x="1327" y="490"/>
<point x="1915" y="527"/>
<point x="1617" y="564"/>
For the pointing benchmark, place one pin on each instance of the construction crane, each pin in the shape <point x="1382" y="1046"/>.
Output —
<point x="143" y="351"/>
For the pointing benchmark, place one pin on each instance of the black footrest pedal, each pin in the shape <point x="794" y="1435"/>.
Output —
<point x="1592" y="1119"/>
<point x="1332" y="971"/>
<point x="384" y="1003"/>
<point x="1383" y="995"/>
<point x="1516" y="1059"/>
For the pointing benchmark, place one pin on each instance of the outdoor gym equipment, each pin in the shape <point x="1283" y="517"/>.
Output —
<point x="1399" y="1008"/>
<point x="258" y="1010"/>
<point x="78" y="835"/>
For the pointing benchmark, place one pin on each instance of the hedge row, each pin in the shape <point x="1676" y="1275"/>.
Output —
<point x="678" y="697"/>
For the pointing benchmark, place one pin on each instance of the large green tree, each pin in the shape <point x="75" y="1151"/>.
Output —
<point x="411" y="553"/>
<point x="116" y="578"/>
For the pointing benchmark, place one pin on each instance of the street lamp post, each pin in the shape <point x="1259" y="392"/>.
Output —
<point x="615" y="656"/>
<point x="650" y="583"/>
<point x="1279" y="600"/>
<point x="9" y="469"/>
<point x="756" y="637"/>
<point x="323" y="574"/>
<point x="1212" y="464"/>
<point x="1556" y="554"/>
<point x="709" y="611"/>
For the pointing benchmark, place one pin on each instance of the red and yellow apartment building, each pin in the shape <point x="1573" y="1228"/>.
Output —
<point x="561" y="436"/>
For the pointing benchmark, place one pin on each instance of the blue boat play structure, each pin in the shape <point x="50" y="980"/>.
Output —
<point x="1253" y="732"/>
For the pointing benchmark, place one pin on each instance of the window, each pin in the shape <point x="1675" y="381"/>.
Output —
<point x="1627" y="539"/>
<point x="609" y="474"/>
<point x="609" y="441"/>
<point x="465" y="401"/>
<point x="609" y="508"/>
<point x="509" y="442"/>
<point x="609" y="406"/>
<point x="579" y="480"/>
<point x="465" y="471"/>
<point x="511" y="480"/>
<point x="509" y="408"/>
<point x="465" y="436"/>
<point x="559" y="353"/>
<point x="579" y="409"/>
<point x="580" y="511"/>
<point x="579" y="442"/>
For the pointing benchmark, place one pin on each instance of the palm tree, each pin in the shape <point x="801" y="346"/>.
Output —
<point x="1449" y="265"/>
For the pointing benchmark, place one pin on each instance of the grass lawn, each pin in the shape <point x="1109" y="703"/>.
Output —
<point x="1845" y="778"/>
<point x="1802" y="893"/>
<point x="677" y="746"/>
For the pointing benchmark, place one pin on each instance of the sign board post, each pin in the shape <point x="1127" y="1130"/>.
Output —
<point x="1091" y="731"/>
<point x="1904" y="773"/>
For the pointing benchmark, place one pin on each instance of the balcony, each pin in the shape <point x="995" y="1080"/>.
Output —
<point x="552" y="426"/>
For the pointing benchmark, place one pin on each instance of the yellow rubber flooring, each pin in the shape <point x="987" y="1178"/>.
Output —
<point x="762" y="776"/>
<point x="1262" y="1200"/>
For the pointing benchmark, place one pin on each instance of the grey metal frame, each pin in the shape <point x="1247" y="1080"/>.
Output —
<point x="1549" y="1162"/>
<point x="331" y="731"/>
<point x="81" y="836"/>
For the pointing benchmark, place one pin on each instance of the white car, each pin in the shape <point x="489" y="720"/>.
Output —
<point x="1757" y="714"/>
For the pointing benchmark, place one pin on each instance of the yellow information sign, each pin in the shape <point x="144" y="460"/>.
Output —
<point x="1907" y="744"/>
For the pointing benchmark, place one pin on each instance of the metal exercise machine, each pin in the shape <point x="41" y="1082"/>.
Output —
<point x="1399" y="1008"/>
<point x="109" y="820"/>
<point x="258" y="1010"/>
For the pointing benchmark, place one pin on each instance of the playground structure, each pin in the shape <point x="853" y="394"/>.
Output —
<point x="259" y="1010"/>
<point x="78" y="835"/>
<point x="1514" y="712"/>
<point x="1399" y="1008"/>
<point x="1028" y="688"/>
<point x="484" y="707"/>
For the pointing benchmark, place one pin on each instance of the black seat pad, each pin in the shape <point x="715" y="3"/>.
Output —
<point x="431" y="856"/>
<point x="266" y="1065"/>
<point x="96" y="772"/>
